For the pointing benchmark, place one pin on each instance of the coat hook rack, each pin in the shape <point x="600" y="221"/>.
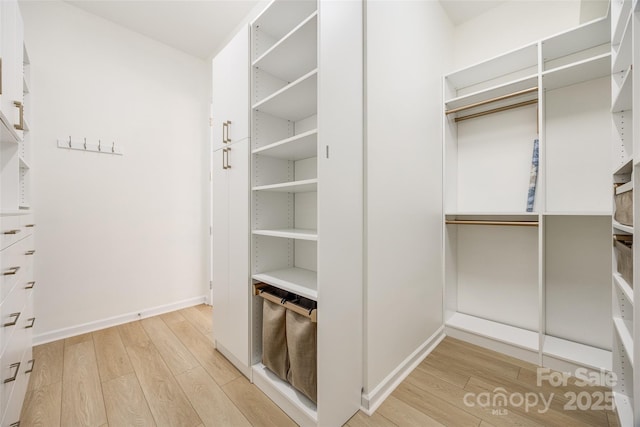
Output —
<point x="86" y="145"/>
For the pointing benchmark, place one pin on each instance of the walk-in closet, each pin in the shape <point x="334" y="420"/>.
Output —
<point x="318" y="213"/>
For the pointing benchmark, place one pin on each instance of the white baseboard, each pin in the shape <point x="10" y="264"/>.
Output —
<point x="115" y="320"/>
<point x="372" y="400"/>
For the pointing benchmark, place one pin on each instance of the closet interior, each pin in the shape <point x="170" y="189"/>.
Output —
<point x="527" y="204"/>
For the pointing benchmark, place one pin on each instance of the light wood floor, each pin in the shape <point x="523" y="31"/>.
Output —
<point x="163" y="371"/>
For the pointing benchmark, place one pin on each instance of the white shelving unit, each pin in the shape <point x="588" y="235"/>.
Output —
<point x="296" y="183"/>
<point x="511" y="276"/>
<point x="625" y="52"/>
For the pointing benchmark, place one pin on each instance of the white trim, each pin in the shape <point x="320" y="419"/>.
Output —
<point x="115" y="320"/>
<point x="372" y="400"/>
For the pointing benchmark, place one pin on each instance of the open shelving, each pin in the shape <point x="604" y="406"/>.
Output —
<point x="297" y="280"/>
<point x="295" y="101"/>
<point x="298" y="147"/>
<point x="510" y="275"/>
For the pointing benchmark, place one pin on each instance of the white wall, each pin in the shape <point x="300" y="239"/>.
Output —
<point x="408" y="46"/>
<point x="511" y="25"/>
<point x="115" y="235"/>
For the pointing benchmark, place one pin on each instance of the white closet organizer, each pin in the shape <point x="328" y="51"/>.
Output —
<point x="17" y="250"/>
<point x="625" y="96"/>
<point x="307" y="193"/>
<point x="531" y="284"/>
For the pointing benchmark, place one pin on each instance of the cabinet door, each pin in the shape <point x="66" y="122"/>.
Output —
<point x="220" y="245"/>
<point x="239" y="287"/>
<point x="12" y="54"/>
<point x="230" y="85"/>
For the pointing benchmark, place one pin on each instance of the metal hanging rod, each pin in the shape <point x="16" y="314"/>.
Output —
<point x="496" y="110"/>
<point x="496" y="99"/>
<point x="478" y="222"/>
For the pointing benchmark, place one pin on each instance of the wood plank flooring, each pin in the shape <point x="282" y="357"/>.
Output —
<point x="163" y="371"/>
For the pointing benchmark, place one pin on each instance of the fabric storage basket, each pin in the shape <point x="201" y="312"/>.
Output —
<point x="274" y="340"/>
<point x="624" y="260"/>
<point x="624" y="204"/>
<point x="301" y="342"/>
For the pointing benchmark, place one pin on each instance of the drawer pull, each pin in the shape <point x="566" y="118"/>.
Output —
<point x="11" y="271"/>
<point x="15" y="231"/>
<point x="30" y="325"/>
<point x="16" y="424"/>
<point x="31" y="252"/>
<point x="15" y="317"/>
<point x="20" y="106"/>
<point x="15" y="374"/>
<point x="30" y="225"/>
<point x="30" y="369"/>
<point x="30" y="285"/>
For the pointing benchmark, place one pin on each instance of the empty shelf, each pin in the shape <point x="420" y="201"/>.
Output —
<point x="570" y="351"/>
<point x="512" y="335"/>
<point x="621" y="227"/>
<point x="295" y="101"/>
<point x="578" y="72"/>
<point x="624" y="332"/>
<point x="623" y="100"/>
<point x="289" y="233"/>
<point x="304" y="186"/>
<point x="623" y="286"/>
<point x="300" y="281"/>
<point x="297" y="147"/>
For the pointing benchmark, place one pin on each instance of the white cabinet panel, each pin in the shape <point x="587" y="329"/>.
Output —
<point x="12" y="56"/>
<point x="230" y="109"/>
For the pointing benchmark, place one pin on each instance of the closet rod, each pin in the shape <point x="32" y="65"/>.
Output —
<point x="311" y="314"/>
<point x="496" y="110"/>
<point x="496" y="99"/>
<point x="477" y="222"/>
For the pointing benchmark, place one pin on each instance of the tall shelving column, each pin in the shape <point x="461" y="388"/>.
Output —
<point x="306" y="178"/>
<point x="624" y="100"/>
<point x="511" y="274"/>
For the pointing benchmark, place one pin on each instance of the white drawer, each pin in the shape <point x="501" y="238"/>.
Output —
<point x="13" y="318"/>
<point x="10" y="230"/>
<point x="11" y="368"/>
<point x="15" y="401"/>
<point x="13" y="263"/>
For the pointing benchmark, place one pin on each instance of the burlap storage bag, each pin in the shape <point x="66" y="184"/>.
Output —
<point x="624" y="208"/>
<point x="301" y="342"/>
<point x="624" y="261"/>
<point x="274" y="341"/>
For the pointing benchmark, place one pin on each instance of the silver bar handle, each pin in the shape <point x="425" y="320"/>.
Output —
<point x="15" y="317"/>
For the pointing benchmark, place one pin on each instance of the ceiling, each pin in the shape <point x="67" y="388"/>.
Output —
<point x="197" y="27"/>
<point x="200" y="27"/>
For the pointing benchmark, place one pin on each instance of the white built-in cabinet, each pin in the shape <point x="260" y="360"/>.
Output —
<point x="625" y="98"/>
<point x="534" y="284"/>
<point x="306" y="179"/>
<point x="230" y="201"/>
<point x="17" y="246"/>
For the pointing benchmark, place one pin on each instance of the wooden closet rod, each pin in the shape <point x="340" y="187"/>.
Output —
<point x="311" y="314"/>
<point x="489" y="101"/>
<point x="478" y="222"/>
<point x="496" y="110"/>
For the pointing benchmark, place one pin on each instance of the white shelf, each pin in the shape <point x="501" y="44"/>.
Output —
<point x="623" y="100"/>
<point x="623" y="286"/>
<point x="299" y="281"/>
<point x="295" y="54"/>
<point x="495" y="91"/>
<point x="295" y="101"/>
<point x="577" y="213"/>
<point x="518" y="337"/>
<point x="573" y="352"/>
<point x="619" y="21"/>
<point x="290" y="233"/>
<point x="25" y="85"/>
<point x="7" y="133"/>
<point x="624" y="408"/>
<point x="577" y="72"/>
<point x="510" y="62"/>
<point x="285" y="396"/>
<point x="24" y="164"/>
<point x="622" y="53"/>
<point x="623" y="329"/>
<point x="624" y="169"/>
<point x="281" y="17"/>
<point x="625" y="228"/>
<point x="489" y="215"/>
<point x="588" y="35"/>
<point x="304" y="186"/>
<point x="297" y="147"/>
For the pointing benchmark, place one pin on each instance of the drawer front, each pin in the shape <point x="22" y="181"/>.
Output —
<point x="12" y="266"/>
<point x="10" y="230"/>
<point x="27" y="222"/>
<point x="13" y="317"/>
<point x="15" y="401"/>
<point x="11" y="369"/>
